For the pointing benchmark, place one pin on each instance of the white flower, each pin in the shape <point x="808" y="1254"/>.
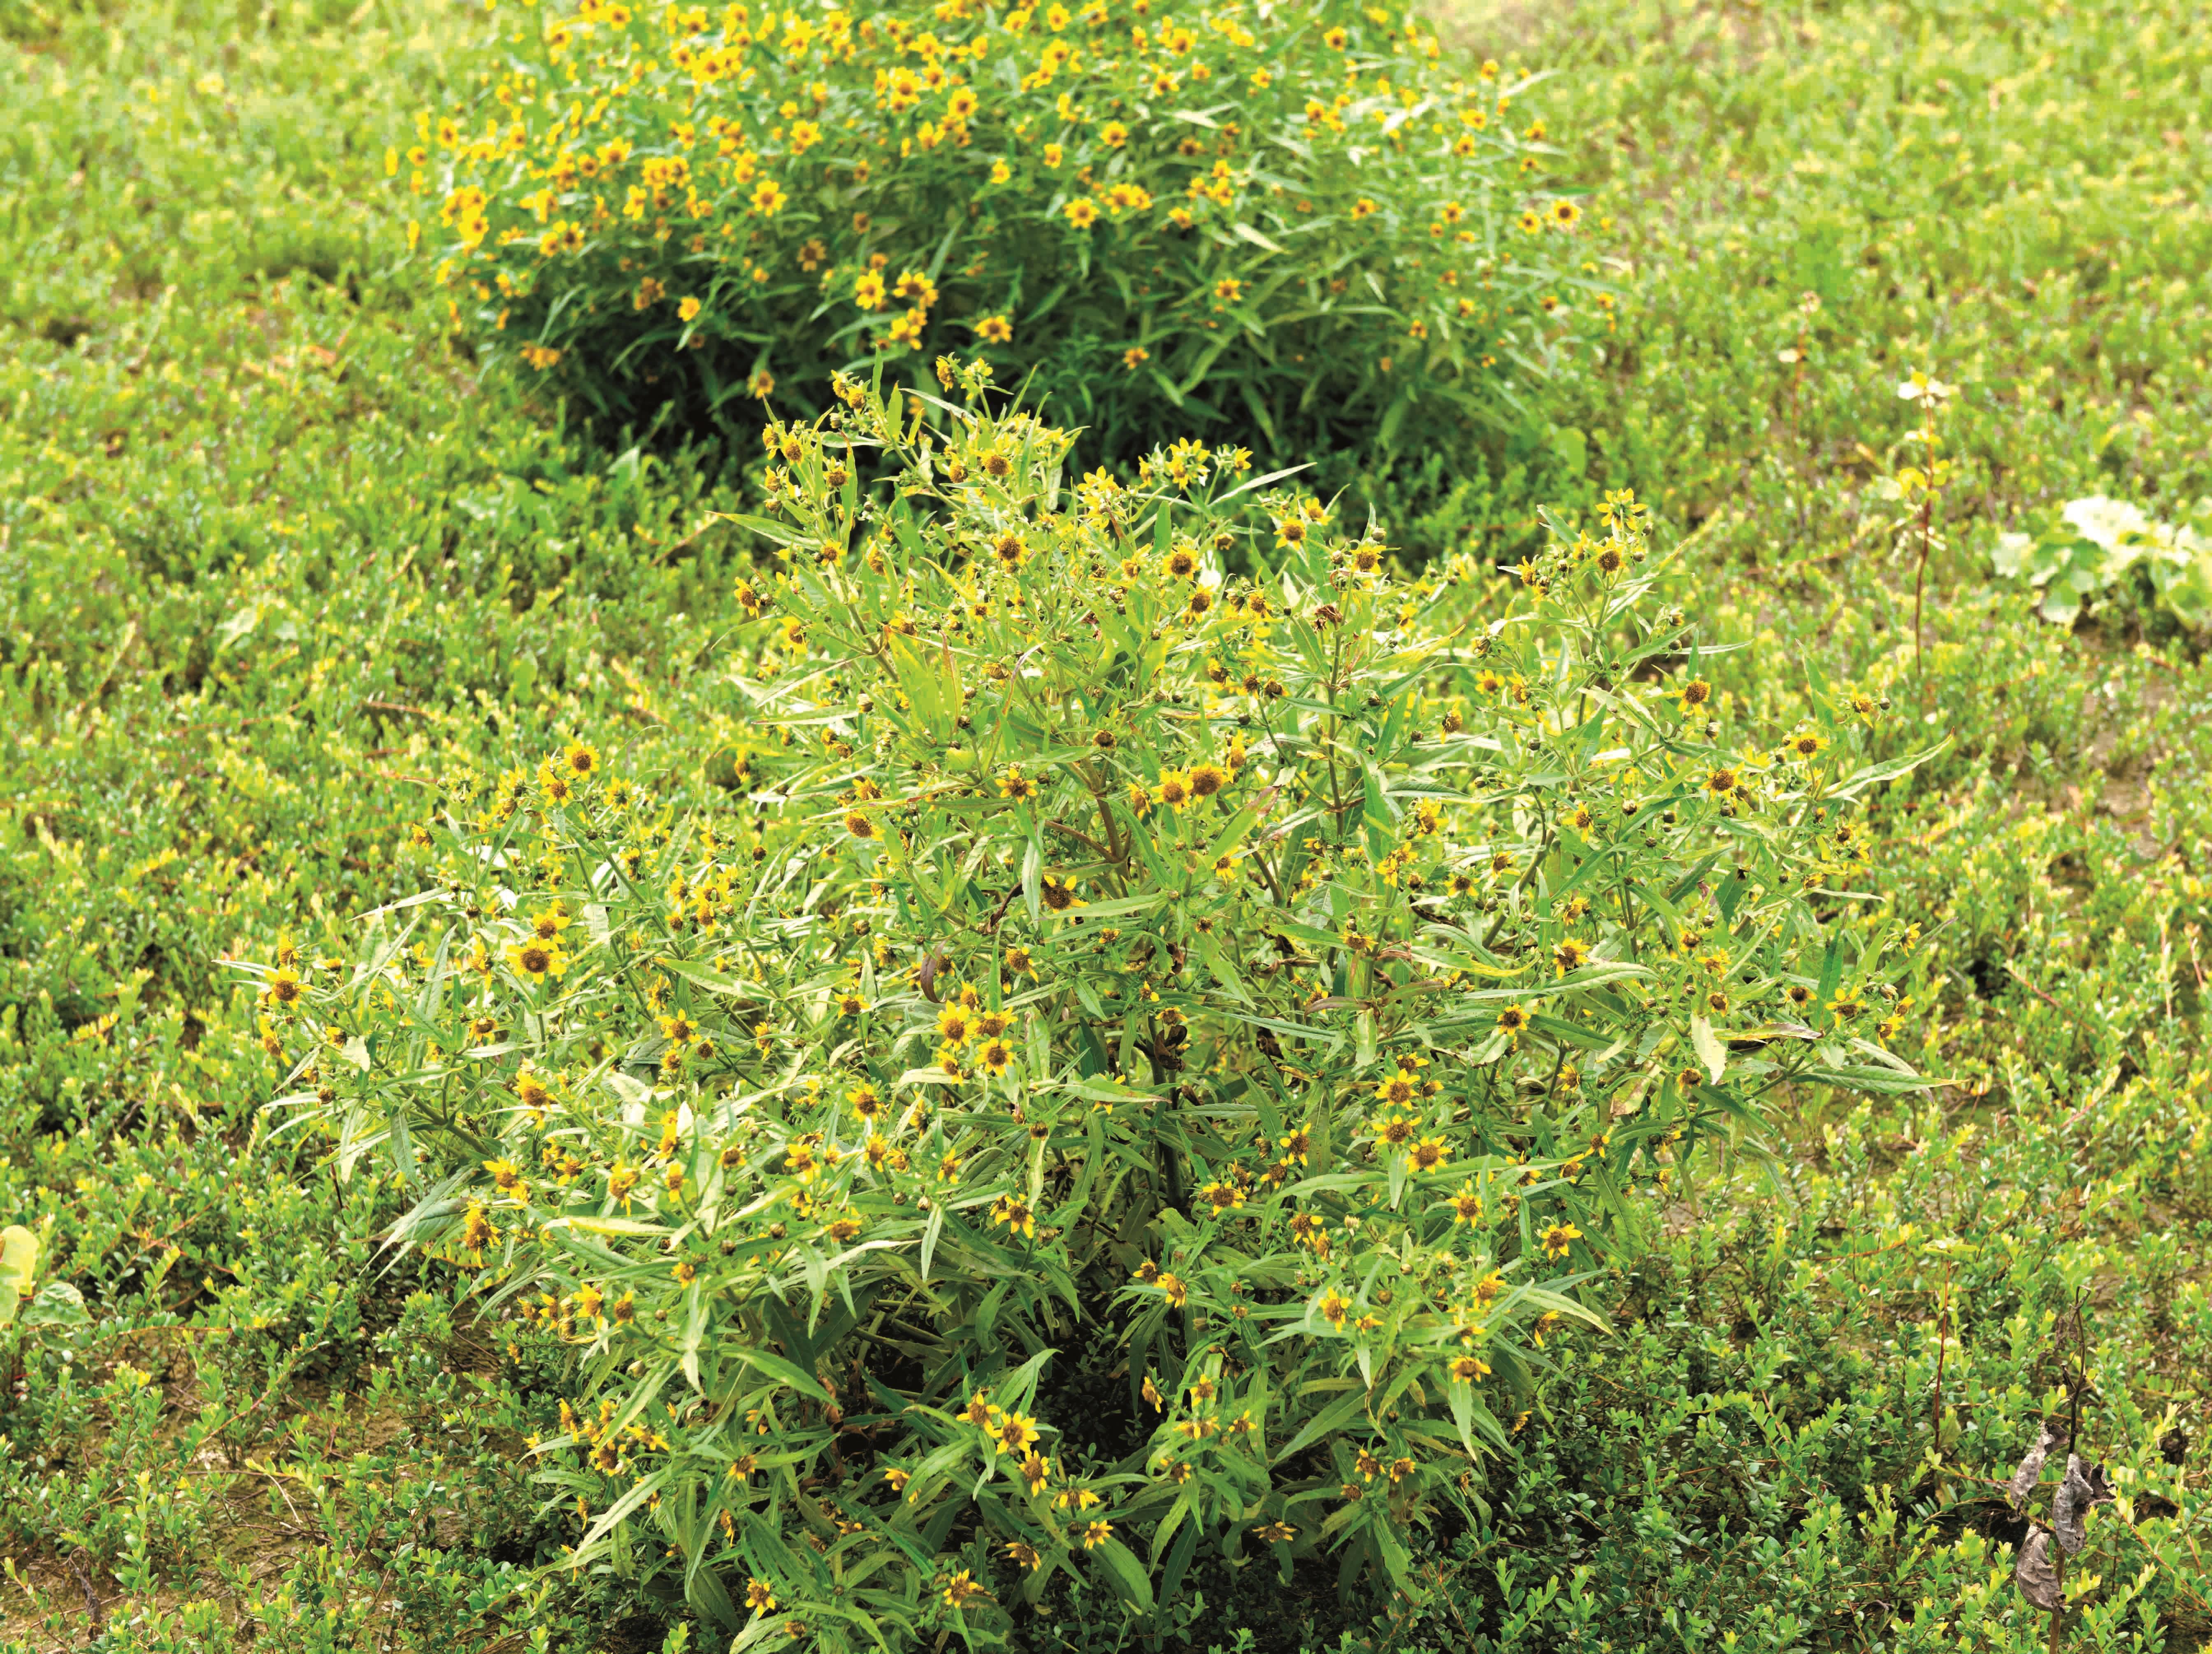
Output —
<point x="1921" y="387"/>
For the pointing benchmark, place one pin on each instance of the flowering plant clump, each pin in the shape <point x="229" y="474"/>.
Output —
<point x="1259" y="998"/>
<point x="1288" y="226"/>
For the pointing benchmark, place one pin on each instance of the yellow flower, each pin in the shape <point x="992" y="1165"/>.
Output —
<point x="1174" y="789"/>
<point x="687" y="309"/>
<point x="477" y="1231"/>
<point x="1398" y="1090"/>
<point x="769" y="198"/>
<point x="1467" y="1206"/>
<point x="1558" y="1238"/>
<point x="1082" y="212"/>
<point x="964" y="1587"/>
<point x="538" y="959"/>
<point x="1017" y="786"/>
<point x="1014" y="1434"/>
<point x="994" y="330"/>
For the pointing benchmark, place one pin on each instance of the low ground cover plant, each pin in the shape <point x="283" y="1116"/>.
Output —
<point x="2095" y="546"/>
<point x="1235" y="994"/>
<point x="1293" y="228"/>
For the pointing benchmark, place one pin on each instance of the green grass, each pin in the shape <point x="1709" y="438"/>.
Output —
<point x="274" y="558"/>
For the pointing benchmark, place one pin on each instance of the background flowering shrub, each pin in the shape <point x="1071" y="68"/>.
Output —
<point x="1231" y="999"/>
<point x="1291" y="227"/>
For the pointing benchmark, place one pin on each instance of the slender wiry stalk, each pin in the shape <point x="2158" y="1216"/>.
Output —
<point x="1935" y="1403"/>
<point x="1919" y="583"/>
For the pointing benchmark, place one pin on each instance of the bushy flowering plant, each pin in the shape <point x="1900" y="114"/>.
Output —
<point x="1255" y="1000"/>
<point x="1285" y="225"/>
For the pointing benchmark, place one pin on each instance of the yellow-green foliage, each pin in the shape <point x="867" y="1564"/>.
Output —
<point x="1287" y="227"/>
<point x="1294" y="987"/>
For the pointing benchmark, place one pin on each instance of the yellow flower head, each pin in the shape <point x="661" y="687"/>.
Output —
<point x="1398" y="1090"/>
<point x="1467" y="1206"/>
<point x="536" y="959"/>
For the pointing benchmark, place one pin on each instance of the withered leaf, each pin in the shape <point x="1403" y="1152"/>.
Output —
<point x="2069" y="1508"/>
<point x="2053" y="1435"/>
<point x="2032" y="1573"/>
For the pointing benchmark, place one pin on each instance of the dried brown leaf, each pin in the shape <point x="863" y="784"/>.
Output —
<point x="2032" y="1573"/>
<point x="2052" y="1436"/>
<point x="2069" y="1507"/>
